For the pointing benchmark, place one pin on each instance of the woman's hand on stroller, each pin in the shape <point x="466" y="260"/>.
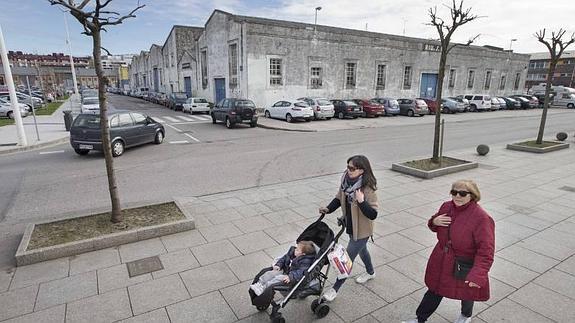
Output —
<point x="286" y="279"/>
<point x="341" y="221"/>
<point x="276" y="268"/>
<point x="323" y="210"/>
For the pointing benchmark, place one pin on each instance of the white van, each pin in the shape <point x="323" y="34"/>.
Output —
<point x="478" y="102"/>
<point x="564" y="99"/>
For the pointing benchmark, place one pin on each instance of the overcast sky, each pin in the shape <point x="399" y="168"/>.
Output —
<point x="36" y="27"/>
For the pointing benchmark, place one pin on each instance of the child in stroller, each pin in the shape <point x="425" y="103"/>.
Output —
<point x="288" y="269"/>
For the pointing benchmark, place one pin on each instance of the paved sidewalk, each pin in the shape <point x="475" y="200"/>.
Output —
<point x="207" y="271"/>
<point x="51" y="130"/>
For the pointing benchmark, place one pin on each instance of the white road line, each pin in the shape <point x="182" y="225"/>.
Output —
<point x="159" y="120"/>
<point x="171" y="119"/>
<point x="187" y="134"/>
<point x="204" y="118"/>
<point x="191" y="122"/>
<point x="169" y="125"/>
<point x="51" y="152"/>
<point x="186" y="118"/>
<point x="179" y="142"/>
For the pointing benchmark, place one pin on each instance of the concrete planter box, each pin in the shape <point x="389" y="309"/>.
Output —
<point x="558" y="146"/>
<point x="399" y="167"/>
<point x="27" y="257"/>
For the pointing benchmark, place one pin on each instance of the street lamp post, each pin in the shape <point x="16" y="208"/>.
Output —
<point x="511" y="43"/>
<point x="315" y="21"/>
<point x="71" y="57"/>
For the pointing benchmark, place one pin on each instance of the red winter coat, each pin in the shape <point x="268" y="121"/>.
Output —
<point x="472" y="237"/>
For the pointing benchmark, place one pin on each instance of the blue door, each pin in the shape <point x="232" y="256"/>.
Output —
<point x="156" y="80"/>
<point x="188" y="86"/>
<point x="428" y="85"/>
<point x="220" y="89"/>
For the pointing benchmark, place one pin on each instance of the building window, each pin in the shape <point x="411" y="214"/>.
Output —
<point x="502" y="82"/>
<point x="452" y="74"/>
<point x="276" y="71"/>
<point x="407" y="78"/>
<point x="315" y="78"/>
<point x="204" y="62"/>
<point x="350" y="75"/>
<point x="233" y="64"/>
<point x="470" y="79"/>
<point x="517" y="79"/>
<point x="380" y="84"/>
<point x="487" y="83"/>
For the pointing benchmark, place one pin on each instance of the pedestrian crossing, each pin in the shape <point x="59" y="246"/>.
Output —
<point x="182" y="119"/>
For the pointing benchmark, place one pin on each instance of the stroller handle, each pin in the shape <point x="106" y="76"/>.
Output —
<point x="339" y="223"/>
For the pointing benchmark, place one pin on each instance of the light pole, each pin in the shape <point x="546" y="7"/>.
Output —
<point x="511" y="43"/>
<point x="316" y="10"/>
<point x="71" y="57"/>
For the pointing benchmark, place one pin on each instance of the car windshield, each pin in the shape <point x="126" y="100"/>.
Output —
<point x="180" y="96"/>
<point x="422" y="102"/>
<point x="90" y="101"/>
<point x="393" y="103"/>
<point x="200" y="101"/>
<point x="301" y="104"/>
<point x="90" y="121"/>
<point x="245" y="104"/>
<point x="373" y="102"/>
<point x="349" y="103"/>
<point x="323" y="102"/>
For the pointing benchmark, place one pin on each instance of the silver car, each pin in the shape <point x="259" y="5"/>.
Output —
<point x="322" y="107"/>
<point x="452" y="106"/>
<point x="6" y="110"/>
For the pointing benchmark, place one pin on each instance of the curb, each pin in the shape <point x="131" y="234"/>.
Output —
<point x="35" y="146"/>
<point x="284" y="129"/>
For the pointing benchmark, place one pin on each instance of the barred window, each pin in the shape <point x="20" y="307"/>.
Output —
<point x="470" y="79"/>
<point x="502" y="82"/>
<point x="380" y="84"/>
<point x="204" y="62"/>
<point x="487" y="83"/>
<point x="233" y="64"/>
<point x="452" y="74"/>
<point x="350" y="75"/>
<point x="316" y="77"/>
<point x="407" y="78"/>
<point x="276" y="71"/>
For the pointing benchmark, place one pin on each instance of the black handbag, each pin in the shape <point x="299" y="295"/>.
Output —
<point x="462" y="265"/>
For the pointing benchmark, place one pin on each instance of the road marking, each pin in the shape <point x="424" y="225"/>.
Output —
<point x="51" y="152"/>
<point x="169" y="125"/>
<point x="206" y="118"/>
<point x="179" y="142"/>
<point x="171" y="119"/>
<point x="187" y="134"/>
<point x="159" y="120"/>
<point x="189" y="122"/>
<point x="186" y="118"/>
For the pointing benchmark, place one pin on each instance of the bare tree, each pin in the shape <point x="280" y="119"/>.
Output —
<point x="95" y="18"/>
<point x="556" y="46"/>
<point x="458" y="17"/>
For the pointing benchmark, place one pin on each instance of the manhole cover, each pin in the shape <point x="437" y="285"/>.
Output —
<point x="488" y="167"/>
<point x="144" y="266"/>
<point x="568" y="188"/>
<point x="521" y="209"/>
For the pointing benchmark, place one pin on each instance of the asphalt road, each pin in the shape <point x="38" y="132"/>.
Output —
<point x="200" y="158"/>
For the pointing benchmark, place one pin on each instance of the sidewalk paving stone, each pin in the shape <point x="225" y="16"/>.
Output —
<point x="117" y="277"/>
<point x="214" y="252"/>
<point x="5" y="279"/>
<point x="157" y="293"/>
<point x="527" y="258"/>
<point x="354" y="300"/>
<point x="308" y="211"/>
<point x="420" y="234"/>
<point x="17" y="302"/>
<point x="245" y="267"/>
<point x="238" y="298"/>
<point x="94" y="260"/>
<point x="498" y="290"/>
<point x="513" y="229"/>
<point x="175" y="262"/>
<point x="384" y="227"/>
<point x="558" y="281"/>
<point x="562" y="238"/>
<point x="412" y="266"/>
<point x="158" y="316"/>
<point x="108" y="307"/>
<point x="206" y="279"/>
<point x="379" y="256"/>
<point x="529" y="221"/>
<point x="220" y="231"/>
<point x="504" y="240"/>
<point x="284" y="233"/>
<point x="405" y="219"/>
<point x="545" y="302"/>
<point x="54" y="314"/>
<point x="183" y="240"/>
<point x="253" y="209"/>
<point x="366" y="319"/>
<point x="567" y="265"/>
<point x="279" y="204"/>
<point x="226" y="203"/>
<point x="398" y="244"/>
<point x="389" y="284"/>
<point x="509" y="311"/>
<point x="299" y="310"/>
<point x="207" y="308"/>
<point x="510" y="273"/>
<point x="223" y="216"/>
<point x="66" y="290"/>
<point x="283" y="217"/>
<point x="141" y="249"/>
<point x="402" y="310"/>
<point x="278" y="251"/>
<point x="40" y="272"/>
<point x="450" y="309"/>
<point x="547" y="248"/>
<point x="252" y="242"/>
<point x="254" y="223"/>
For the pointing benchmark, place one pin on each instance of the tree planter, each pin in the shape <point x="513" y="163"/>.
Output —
<point x="529" y="146"/>
<point x="72" y="236"/>
<point x="451" y="165"/>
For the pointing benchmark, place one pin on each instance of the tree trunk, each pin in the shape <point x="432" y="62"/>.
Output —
<point x="440" y="77"/>
<point x="546" y="102"/>
<point x="106" y="145"/>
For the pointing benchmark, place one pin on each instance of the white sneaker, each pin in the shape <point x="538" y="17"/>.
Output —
<point x="257" y="288"/>
<point x="463" y="319"/>
<point x="410" y="321"/>
<point x="363" y="278"/>
<point x="330" y="295"/>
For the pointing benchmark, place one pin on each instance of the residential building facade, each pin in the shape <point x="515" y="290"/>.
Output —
<point x="539" y="67"/>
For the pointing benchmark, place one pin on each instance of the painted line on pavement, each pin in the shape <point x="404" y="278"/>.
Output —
<point x="178" y="130"/>
<point x="51" y="152"/>
<point x="187" y="134"/>
<point x="159" y="120"/>
<point x="171" y="119"/>
<point x="186" y="118"/>
<point x="179" y="142"/>
<point x="191" y="122"/>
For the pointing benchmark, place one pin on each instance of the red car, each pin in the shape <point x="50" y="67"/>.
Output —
<point x="431" y="104"/>
<point x="370" y="108"/>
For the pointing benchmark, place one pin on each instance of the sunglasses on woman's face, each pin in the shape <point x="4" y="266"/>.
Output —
<point x="461" y="193"/>
<point x="351" y="168"/>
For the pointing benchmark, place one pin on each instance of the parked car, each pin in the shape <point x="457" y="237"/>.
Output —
<point x="511" y="103"/>
<point x="523" y="101"/>
<point x="370" y="108"/>
<point x="502" y="103"/>
<point x="452" y="106"/>
<point x="90" y="105"/>
<point x="88" y="93"/>
<point x="176" y="100"/>
<point x="5" y="97"/>
<point x="196" y="105"/>
<point x="322" y="107"/>
<point x="161" y="98"/>
<point x="390" y="106"/>
<point x="431" y="104"/>
<point x="233" y="111"/>
<point x="564" y="100"/>
<point x="7" y="112"/>
<point x="461" y="100"/>
<point x="127" y="129"/>
<point x="478" y="102"/>
<point x="533" y="101"/>
<point x="346" y="108"/>
<point x="495" y="105"/>
<point x="290" y="110"/>
<point x="412" y="107"/>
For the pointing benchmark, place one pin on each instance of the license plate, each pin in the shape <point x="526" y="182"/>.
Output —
<point x="85" y="146"/>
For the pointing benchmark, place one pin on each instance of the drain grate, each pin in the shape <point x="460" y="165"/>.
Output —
<point x="144" y="266"/>
<point x="488" y="167"/>
<point x="521" y="209"/>
<point x="568" y="188"/>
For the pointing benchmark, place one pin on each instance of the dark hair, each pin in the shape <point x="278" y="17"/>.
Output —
<point x="361" y="162"/>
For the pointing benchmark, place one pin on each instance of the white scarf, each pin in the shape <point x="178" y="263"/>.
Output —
<point x="348" y="188"/>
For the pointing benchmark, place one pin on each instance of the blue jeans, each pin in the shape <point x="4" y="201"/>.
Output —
<point x="355" y="247"/>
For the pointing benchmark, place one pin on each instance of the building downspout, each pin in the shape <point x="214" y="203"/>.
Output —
<point x="244" y="62"/>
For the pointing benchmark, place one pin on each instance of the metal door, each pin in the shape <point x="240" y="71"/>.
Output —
<point x="220" y="85"/>
<point x="188" y="86"/>
<point x="156" y="80"/>
<point x="428" y="85"/>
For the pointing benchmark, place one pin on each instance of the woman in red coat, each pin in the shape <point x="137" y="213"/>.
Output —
<point x="466" y="232"/>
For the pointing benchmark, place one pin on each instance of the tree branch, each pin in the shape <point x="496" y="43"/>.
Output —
<point x="107" y="51"/>
<point x="121" y="19"/>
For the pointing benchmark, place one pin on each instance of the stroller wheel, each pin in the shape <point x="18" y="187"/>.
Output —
<point x="262" y="308"/>
<point x="278" y="319"/>
<point x="322" y="310"/>
<point x="315" y="304"/>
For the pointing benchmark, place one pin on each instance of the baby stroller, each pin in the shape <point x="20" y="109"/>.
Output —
<point x="311" y="283"/>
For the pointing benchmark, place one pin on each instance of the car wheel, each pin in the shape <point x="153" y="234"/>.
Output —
<point x="570" y="106"/>
<point x="327" y="118"/>
<point x="267" y="114"/>
<point x="213" y="119"/>
<point x="10" y="115"/>
<point x="229" y="123"/>
<point x="253" y="124"/>
<point x="117" y="148"/>
<point x="445" y="110"/>
<point x="81" y="151"/>
<point x="308" y="120"/>
<point x="473" y="108"/>
<point x="340" y="115"/>
<point x="289" y="118"/>
<point x="410" y="113"/>
<point x="159" y="138"/>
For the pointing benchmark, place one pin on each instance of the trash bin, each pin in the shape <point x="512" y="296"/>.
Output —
<point x="68" y="118"/>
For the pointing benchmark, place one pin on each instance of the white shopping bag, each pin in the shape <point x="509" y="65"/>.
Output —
<point x="339" y="260"/>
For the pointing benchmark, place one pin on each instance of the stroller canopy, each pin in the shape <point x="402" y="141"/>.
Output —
<point x="319" y="233"/>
